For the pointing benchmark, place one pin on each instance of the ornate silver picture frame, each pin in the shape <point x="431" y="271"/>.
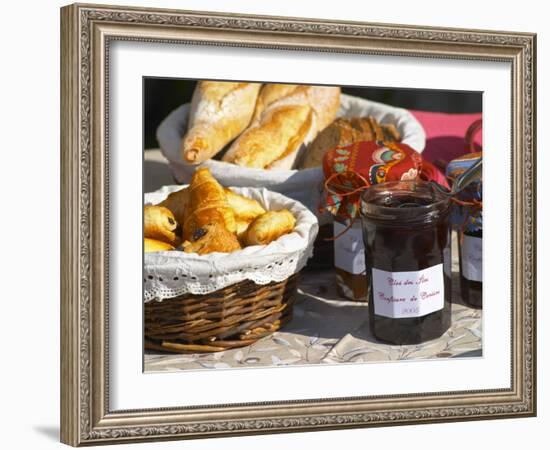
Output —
<point x="87" y="32"/>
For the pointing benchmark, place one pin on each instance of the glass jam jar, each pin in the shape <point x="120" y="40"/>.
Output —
<point x="349" y="260"/>
<point x="407" y="236"/>
<point x="467" y="219"/>
<point x="470" y="251"/>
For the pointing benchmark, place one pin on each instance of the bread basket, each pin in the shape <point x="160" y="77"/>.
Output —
<point x="303" y="185"/>
<point x="219" y="301"/>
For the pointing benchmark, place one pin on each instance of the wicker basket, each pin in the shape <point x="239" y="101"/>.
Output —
<point x="231" y="317"/>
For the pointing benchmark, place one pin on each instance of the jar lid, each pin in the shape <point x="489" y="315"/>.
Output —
<point x="351" y="169"/>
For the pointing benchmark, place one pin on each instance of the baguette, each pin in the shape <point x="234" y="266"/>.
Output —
<point x="220" y="111"/>
<point x="286" y="117"/>
<point x="270" y="93"/>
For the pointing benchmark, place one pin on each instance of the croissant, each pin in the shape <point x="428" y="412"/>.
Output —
<point x="245" y="209"/>
<point x="212" y="237"/>
<point x="207" y="204"/>
<point x="269" y="227"/>
<point x="177" y="203"/>
<point x="159" y="223"/>
<point x="220" y="111"/>
<point x="152" y="245"/>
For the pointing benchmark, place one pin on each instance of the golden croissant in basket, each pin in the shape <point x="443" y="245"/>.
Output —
<point x="269" y="227"/>
<point x="208" y="218"/>
<point x="207" y="204"/>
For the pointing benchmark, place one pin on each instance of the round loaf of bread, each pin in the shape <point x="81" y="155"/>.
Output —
<point x="346" y="131"/>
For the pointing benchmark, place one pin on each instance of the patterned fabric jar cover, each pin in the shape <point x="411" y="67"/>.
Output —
<point x="466" y="217"/>
<point x="351" y="169"/>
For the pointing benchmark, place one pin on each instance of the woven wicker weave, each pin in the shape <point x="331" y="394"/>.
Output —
<point x="235" y="316"/>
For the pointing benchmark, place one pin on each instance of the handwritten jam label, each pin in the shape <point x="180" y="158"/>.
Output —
<point x="472" y="258"/>
<point x="349" y="248"/>
<point x="408" y="294"/>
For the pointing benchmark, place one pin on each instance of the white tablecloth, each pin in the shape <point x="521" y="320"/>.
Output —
<point x="326" y="329"/>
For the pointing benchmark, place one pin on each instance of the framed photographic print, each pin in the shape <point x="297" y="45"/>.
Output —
<point x="276" y="225"/>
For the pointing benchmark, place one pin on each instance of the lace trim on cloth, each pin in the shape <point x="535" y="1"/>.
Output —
<point x="174" y="273"/>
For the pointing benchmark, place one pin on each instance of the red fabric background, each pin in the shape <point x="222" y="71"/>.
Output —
<point x="445" y="135"/>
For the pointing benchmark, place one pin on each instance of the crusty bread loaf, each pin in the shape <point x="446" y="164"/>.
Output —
<point x="220" y="111"/>
<point x="344" y="132"/>
<point x="279" y="132"/>
<point x="270" y="93"/>
<point x="286" y="117"/>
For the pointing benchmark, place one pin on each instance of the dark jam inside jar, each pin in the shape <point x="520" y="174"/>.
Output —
<point x="470" y="254"/>
<point x="407" y="237"/>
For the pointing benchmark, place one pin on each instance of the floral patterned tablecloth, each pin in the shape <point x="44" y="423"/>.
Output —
<point x="326" y="329"/>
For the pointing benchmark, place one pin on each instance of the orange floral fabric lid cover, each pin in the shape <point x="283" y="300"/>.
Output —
<point x="351" y="169"/>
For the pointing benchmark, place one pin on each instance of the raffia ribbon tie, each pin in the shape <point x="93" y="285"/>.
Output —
<point x="341" y="198"/>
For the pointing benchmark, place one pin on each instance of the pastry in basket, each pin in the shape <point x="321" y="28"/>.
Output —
<point x="159" y="223"/>
<point x="213" y="219"/>
<point x="269" y="227"/>
<point x="206" y="204"/>
<point x="153" y="245"/>
<point x="212" y="237"/>
<point x="344" y="132"/>
<point x="287" y="116"/>
<point x="242" y="227"/>
<point x="220" y="111"/>
<point x="245" y="209"/>
<point x="177" y="203"/>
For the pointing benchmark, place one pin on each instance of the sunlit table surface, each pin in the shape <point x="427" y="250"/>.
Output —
<point x="327" y="329"/>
